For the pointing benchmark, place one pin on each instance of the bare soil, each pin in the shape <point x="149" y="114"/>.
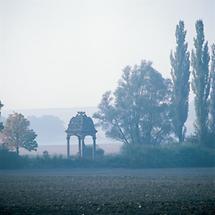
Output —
<point x="108" y="191"/>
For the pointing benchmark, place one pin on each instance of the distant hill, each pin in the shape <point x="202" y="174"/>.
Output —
<point x="50" y="129"/>
<point x="63" y="114"/>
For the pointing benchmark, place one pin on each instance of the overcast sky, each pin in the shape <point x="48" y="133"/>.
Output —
<point x="58" y="53"/>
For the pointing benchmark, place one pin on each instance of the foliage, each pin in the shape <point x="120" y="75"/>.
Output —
<point x="46" y="154"/>
<point x="212" y="95"/>
<point x="180" y="73"/>
<point x="1" y="124"/>
<point x="88" y="152"/>
<point x="201" y="81"/>
<point x="10" y="160"/>
<point x="138" y="111"/>
<point x="131" y="156"/>
<point x="169" y="155"/>
<point x="18" y="134"/>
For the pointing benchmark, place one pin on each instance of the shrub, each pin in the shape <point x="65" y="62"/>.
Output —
<point x="10" y="160"/>
<point x="131" y="156"/>
<point x="186" y="155"/>
<point x="88" y="151"/>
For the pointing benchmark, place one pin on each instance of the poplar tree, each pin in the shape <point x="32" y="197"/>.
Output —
<point x="212" y="94"/>
<point x="180" y="72"/>
<point x="1" y="124"/>
<point x="201" y="81"/>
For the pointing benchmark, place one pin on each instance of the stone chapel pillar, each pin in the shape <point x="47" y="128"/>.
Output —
<point x="94" y="148"/>
<point x="79" y="147"/>
<point x="68" y="146"/>
<point x="82" y="147"/>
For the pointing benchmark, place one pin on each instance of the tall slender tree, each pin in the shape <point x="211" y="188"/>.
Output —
<point x="212" y="94"/>
<point x="1" y="124"/>
<point x="201" y="81"/>
<point x="180" y="72"/>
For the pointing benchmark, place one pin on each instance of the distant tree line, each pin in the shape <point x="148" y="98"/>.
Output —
<point x="146" y="108"/>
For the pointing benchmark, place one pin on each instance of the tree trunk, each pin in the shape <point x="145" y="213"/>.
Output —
<point x="17" y="149"/>
<point x="180" y="135"/>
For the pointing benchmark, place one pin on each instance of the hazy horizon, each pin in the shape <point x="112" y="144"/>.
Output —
<point x="64" y="54"/>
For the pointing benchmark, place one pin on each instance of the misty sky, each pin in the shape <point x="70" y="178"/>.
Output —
<point x="68" y="53"/>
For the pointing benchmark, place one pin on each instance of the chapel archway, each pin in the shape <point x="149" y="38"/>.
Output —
<point x="81" y="126"/>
